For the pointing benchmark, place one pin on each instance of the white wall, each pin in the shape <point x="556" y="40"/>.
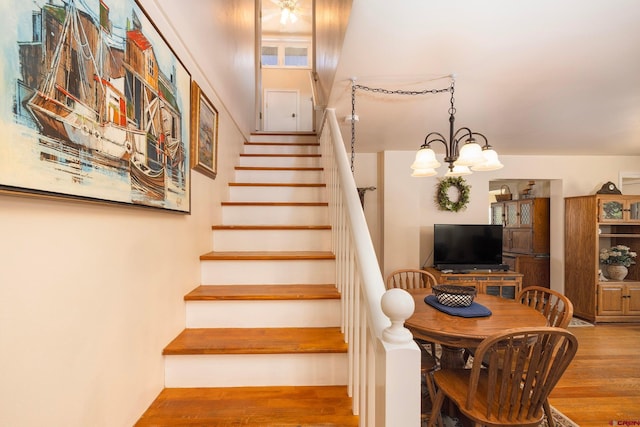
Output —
<point x="410" y="211"/>
<point x="366" y="175"/>
<point x="219" y="37"/>
<point x="90" y="294"/>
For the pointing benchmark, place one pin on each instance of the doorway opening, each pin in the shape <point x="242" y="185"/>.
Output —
<point x="284" y="80"/>
<point x="629" y="182"/>
<point x="524" y="209"/>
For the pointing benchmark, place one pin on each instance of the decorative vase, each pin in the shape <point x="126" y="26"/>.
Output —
<point x="617" y="272"/>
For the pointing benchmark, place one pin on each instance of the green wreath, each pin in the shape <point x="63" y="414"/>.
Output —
<point x="442" y="195"/>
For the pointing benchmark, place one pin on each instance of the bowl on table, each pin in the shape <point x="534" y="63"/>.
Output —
<point x="454" y="295"/>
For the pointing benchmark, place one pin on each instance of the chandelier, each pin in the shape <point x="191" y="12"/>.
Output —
<point x="288" y="11"/>
<point x="462" y="152"/>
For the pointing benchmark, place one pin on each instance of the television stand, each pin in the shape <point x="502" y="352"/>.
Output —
<point x="472" y="268"/>
<point x="506" y="284"/>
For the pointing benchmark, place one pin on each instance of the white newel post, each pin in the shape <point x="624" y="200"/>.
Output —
<point x="401" y="393"/>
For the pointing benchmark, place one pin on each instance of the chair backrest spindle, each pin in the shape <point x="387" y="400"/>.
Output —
<point x="410" y="278"/>
<point x="556" y="307"/>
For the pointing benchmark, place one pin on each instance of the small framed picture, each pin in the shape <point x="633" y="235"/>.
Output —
<point x="204" y="133"/>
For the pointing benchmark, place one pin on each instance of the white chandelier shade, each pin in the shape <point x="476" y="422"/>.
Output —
<point x="470" y="154"/>
<point x="419" y="173"/>
<point x="425" y="159"/>
<point x="490" y="163"/>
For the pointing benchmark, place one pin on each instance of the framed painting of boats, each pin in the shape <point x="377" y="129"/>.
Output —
<point x="95" y="105"/>
<point x="204" y="133"/>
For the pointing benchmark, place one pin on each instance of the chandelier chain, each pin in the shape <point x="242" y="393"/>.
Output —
<point x="386" y="92"/>
<point x="402" y="92"/>
<point x="452" y="110"/>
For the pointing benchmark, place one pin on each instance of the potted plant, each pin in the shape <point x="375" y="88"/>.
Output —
<point x="617" y="259"/>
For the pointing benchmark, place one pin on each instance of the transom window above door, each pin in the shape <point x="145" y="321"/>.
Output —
<point x="285" y="54"/>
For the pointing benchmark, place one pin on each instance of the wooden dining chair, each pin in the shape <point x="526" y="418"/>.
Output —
<point x="413" y="278"/>
<point x="524" y="366"/>
<point x="410" y="278"/>
<point x="557" y="308"/>
<point x="428" y="365"/>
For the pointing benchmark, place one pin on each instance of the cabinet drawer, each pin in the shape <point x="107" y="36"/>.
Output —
<point x="521" y="240"/>
<point x="610" y="300"/>
<point x="633" y="299"/>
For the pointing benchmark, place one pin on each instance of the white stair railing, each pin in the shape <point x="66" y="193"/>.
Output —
<point x="384" y="361"/>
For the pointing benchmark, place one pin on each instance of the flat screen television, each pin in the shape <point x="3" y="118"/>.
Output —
<point x="460" y="247"/>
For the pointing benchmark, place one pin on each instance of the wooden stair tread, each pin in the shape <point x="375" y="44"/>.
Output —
<point x="284" y="133"/>
<point x="278" y="155"/>
<point x="271" y="227"/>
<point x="257" y="341"/>
<point x="251" y="406"/>
<point x="262" y="292"/>
<point x="286" y="144"/>
<point x="276" y="184"/>
<point x="269" y="168"/>
<point x="274" y="203"/>
<point x="267" y="255"/>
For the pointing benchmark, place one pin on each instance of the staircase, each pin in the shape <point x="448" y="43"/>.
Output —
<point x="262" y="344"/>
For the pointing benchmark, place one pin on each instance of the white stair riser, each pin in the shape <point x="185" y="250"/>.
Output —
<point x="244" y="370"/>
<point x="271" y="240"/>
<point x="280" y="176"/>
<point x="280" y="162"/>
<point x="267" y="272"/>
<point x="263" y="313"/>
<point x="277" y="194"/>
<point x="281" y="149"/>
<point x="284" y="138"/>
<point x="274" y="215"/>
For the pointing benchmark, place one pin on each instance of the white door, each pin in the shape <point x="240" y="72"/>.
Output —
<point x="281" y="110"/>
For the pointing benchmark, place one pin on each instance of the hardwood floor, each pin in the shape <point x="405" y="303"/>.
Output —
<point x="602" y="384"/>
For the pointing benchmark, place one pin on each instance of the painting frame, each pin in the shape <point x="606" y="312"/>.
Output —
<point x="96" y="106"/>
<point x="204" y="133"/>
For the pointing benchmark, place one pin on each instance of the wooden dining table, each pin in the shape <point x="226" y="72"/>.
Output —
<point x="455" y="333"/>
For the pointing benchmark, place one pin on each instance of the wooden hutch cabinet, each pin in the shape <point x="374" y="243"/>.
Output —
<point x="525" y="244"/>
<point x="593" y="223"/>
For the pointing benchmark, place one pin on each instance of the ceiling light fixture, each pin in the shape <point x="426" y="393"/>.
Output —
<point x="287" y="11"/>
<point x="462" y="159"/>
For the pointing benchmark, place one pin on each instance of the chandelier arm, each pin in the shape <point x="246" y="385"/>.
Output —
<point x="486" y="141"/>
<point x="439" y="138"/>
<point x="465" y="130"/>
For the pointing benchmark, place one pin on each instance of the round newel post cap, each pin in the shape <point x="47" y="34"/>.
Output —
<point x="398" y="306"/>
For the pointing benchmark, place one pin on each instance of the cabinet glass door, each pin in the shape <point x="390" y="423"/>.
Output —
<point x="611" y="210"/>
<point x="526" y="210"/>
<point x="497" y="214"/>
<point x="634" y="210"/>
<point x="511" y="216"/>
